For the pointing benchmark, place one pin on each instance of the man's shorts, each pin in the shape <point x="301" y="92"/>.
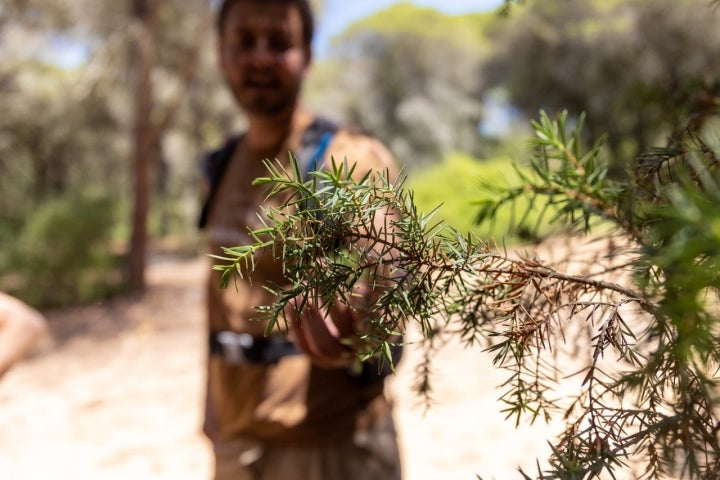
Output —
<point x="371" y="454"/>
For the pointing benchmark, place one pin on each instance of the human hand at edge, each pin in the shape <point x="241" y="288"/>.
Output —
<point x="21" y="327"/>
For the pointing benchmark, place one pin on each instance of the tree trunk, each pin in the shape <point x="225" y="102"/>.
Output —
<point x="143" y="25"/>
<point x="150" y="122"/>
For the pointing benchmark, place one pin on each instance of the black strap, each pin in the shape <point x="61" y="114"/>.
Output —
<point x="213" y="167"/>
<point x="242" y="348"/>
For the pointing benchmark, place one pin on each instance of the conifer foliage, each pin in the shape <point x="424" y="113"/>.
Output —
<point x="634" y="333"/>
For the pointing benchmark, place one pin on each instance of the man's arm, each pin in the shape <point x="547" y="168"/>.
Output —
<point x="323" y="333"/>
<point x="21" y="326"/>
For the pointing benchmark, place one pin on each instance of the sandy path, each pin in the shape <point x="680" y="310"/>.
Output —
<point x="116" y="394"/>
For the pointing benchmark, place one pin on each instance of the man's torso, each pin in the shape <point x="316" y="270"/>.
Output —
<point x="290" y="401"/>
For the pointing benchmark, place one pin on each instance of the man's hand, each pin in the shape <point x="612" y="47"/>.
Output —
<point x="327" y="334"/>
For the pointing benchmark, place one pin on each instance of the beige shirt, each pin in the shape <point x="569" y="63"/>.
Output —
<point x="290" y="402"/>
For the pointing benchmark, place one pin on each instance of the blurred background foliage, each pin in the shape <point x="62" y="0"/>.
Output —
<point x="455" y="184"/>
<point x="104" y="101"/>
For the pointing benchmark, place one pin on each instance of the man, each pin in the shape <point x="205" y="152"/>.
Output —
<point x="278" y="410"/>
<point x="21" y="326"/>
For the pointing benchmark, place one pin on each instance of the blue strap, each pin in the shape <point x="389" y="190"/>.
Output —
<point x="318" y="154"/>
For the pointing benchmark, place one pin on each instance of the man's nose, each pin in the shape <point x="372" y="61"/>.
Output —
<point x="261" y="54"/>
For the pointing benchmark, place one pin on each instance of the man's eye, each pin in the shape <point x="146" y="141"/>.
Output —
<point x="245" y="41"/>
<point x="278" y="43"/>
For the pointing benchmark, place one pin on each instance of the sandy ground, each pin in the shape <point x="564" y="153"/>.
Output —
<point x="116" y="394"/>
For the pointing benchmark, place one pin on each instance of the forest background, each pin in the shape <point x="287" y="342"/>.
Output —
<point x="99" y="159"/>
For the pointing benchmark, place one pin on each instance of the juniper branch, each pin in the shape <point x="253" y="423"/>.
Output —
<point x="653" y="403"/>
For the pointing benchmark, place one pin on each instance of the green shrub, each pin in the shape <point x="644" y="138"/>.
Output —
<point x="62" y="254"/>
<point x="8" y="234"/>
<point x="455" y="185"/>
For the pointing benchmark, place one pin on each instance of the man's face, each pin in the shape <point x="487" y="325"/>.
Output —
<point x="263" y="56"/>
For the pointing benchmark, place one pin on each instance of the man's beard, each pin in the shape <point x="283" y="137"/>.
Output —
<point x="269" y="102"/>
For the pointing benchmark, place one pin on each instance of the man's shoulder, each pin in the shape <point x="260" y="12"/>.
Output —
<point x="361" y="148"/>
<point x="345" y="132"/>
<point x="323" y="124"/>
<point x="326" y="141"/>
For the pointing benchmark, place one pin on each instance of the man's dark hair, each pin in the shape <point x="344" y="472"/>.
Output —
<point x="303" y="6"/>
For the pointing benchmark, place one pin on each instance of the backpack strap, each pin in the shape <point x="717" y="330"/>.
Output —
<point x="213" y="167"/>
<point x="313" y="145"/>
